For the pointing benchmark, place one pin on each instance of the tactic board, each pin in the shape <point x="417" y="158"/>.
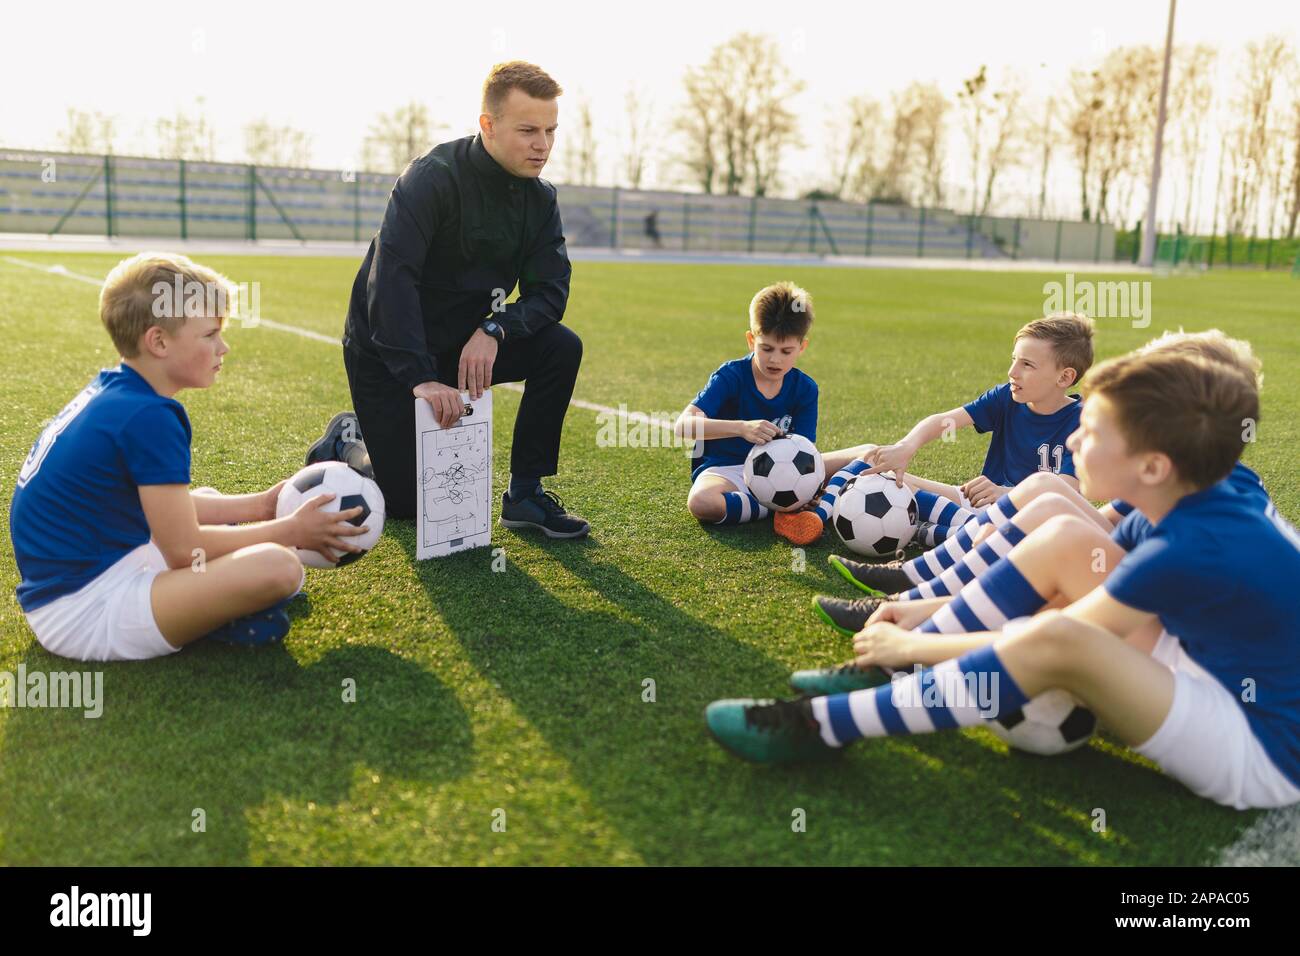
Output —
<point x="453" y="473"/>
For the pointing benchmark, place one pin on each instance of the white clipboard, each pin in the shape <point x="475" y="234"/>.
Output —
<point x="453" y="475"/>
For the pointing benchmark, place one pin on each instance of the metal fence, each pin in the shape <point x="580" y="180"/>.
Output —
<point x="72" y="194"/>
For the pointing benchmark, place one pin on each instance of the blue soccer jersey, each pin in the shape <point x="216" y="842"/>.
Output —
<point x="1134" y="528"/>
<point x="1023" y="441"/>
<point x="1220" y="573"/>
<point x="732" y="394"/>
<point x="76" y="508"/>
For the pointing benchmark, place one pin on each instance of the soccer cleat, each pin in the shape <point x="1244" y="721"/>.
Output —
<point x="768" y="731"/>
<point x="847" y="617"/>
<point x="343" y="430"/>
<point x="837" y="680"/>
<point x="878" y="580"/>
<point x="264" y="627"/>
<point x="798" y="527"/>
<point x="543" y="511"/>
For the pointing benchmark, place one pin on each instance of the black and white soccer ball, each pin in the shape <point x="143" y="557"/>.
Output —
<point x="1049" y="724"/>
<point x="785" y="474"/>
<point x="350" y="489"/>
<point x="874" y="516"/>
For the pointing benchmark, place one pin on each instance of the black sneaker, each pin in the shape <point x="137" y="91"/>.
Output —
<point x="879" y="580"/>
<point x="543" y="511"/>
<point x="343" y="430"/>
<point x="847" y="617"/>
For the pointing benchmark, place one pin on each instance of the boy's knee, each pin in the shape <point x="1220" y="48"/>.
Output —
<point x="706" y="507"/>
<point x="1040" y="483"/>
<point x="1050" y="643"/>
<point x="1069" y="529"/>
<point x="1047" y="505"/>
<point x="282" y="572"/>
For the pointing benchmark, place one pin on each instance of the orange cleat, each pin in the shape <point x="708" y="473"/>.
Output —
<point x="798" y="527"/>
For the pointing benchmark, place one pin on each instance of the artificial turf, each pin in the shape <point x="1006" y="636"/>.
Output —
<point x="519" y="698"/>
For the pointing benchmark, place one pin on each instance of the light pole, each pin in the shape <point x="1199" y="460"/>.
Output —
<point x="1147" y="258"/>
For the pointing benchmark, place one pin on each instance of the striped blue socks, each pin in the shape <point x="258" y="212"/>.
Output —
<point x="987" y="603"/>
<point x="741" y="507"/>
<point x="943" y="556"/>
<point x="940" y="510"/>
<point x="835" y="486"/>
<point x="955" y="693"/>
<point x="970" y="565"/>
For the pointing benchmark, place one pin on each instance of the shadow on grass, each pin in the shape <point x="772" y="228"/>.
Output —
<point x="121" y="789"/>
<point x="576" y="667"/>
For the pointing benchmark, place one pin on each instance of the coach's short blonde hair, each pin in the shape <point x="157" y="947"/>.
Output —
<point x="517" y="75"/>
<point x="1212" y="344"/>
<point x="140" y="293"/>
<point x="1070" y="336"/>
<point x="1193" y="409"/>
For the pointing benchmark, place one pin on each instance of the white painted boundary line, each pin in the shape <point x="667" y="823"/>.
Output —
<point x="65" y="273"/>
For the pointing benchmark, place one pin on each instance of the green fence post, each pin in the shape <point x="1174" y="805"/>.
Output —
<point x="613" y="221"/>
<point x="686" y="222"/>
<point x="970" y="235"/>
<point x="1015" y="241"/>
<point x="1268" y="255"/>
<point x="920" y="236"/>
<point x="356" y="206"/>
<point x="812" y="227"/>
<point x="1209" y="260"/>
<point x="1228" y="239"/>
<point x="871" y="222"/>
<point x="250" y="230"/>
<point x="1060" y="224"/>
<point x="753" y="213"/>
<point x="185" y="224"/>
<point x="108" y="196"/>
<point x="1096" y="245"/>
<point x="1250" y="250"/>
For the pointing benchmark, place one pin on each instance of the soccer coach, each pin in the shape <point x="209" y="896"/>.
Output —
<point x="465" y="222"/>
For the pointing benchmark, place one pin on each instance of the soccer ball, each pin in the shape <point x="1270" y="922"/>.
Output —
<point x="875" y="517"/>
<point x="350" y="489"/>
<point x="1049" y="724"/>
<point x="786" y="473"/>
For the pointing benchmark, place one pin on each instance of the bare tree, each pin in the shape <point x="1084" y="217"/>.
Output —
<point x="639" y="115"/>
<point x="1007" y="136"/>
<point x="581" y="147"/>
<point x="973" y="103"/>
<point x="1130" y="78"/>
<point x="1266" y="62"/>
<point x="398" y="137"/>
<point x="186" y="135"/>
<point x="266" y="144"/>
<point x="1191" y="100"/>
<point x="89" y="132"/>
<point x="928" y="108"/>
<point x="1044" y="135"/>
<point x="1293" y="205"/>
<point x="735" y="121"/>
<point x="1083" y="122"/>
<point x="855" y="138"/>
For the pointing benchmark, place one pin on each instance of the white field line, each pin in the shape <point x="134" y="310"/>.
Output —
<point x="63" y="272"/>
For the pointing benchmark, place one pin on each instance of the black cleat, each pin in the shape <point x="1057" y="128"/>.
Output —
<point x="341" y="434"/>
<point x="543" y="511"/>
<point x="847" y="617"/>
<point x="878" y="580"/>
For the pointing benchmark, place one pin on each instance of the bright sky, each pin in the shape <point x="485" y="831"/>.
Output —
<point x="328" y="68"/>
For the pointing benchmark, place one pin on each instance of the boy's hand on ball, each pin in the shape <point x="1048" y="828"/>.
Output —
<point x="325" y="531"/>
<point x="893" y="458"/>
<point x="758" y="431"/>
<point x="445" y="401"/>
<point x="883" y="645"/>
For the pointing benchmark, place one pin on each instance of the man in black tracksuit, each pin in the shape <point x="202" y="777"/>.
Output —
<point x="465" y="222"/>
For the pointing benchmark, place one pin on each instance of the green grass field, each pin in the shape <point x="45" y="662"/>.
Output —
<point x="522" y="691"/>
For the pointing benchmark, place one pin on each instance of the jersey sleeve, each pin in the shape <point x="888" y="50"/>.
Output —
<point x="805" y="415"/>
<point x="988" y="410"/>
<point x="1157" y="577"/>
<point x="1067" y="462"/>
<point x="720" y="387"/>
<point x="155" y="445"/>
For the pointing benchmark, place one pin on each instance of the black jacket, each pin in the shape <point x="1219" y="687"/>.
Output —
<point x="458" y="234"/>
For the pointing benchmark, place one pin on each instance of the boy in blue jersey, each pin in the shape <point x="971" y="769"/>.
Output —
<point x="750" y="401"/>
<point x="1216" y="701"/>
<point x="119" y="561"/>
